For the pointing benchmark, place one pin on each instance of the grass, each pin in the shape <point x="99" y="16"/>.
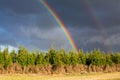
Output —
<point x="90" y="76"/>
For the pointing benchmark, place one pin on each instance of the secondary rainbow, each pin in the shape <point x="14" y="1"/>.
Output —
<point x="98" y="24"/>
<point x="61" y="24"/>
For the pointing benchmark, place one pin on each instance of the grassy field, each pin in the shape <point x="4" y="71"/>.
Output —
<point x="91" y="76"/>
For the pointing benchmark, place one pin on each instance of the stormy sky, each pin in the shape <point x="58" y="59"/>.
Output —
<point x="91" y="23"/>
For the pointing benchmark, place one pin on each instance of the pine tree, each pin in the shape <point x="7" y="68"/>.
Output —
<point x="7" y="58"/>
<point x="14" y="56"/>
<point x="22" y="56"/>
<point x="1" y="58"/>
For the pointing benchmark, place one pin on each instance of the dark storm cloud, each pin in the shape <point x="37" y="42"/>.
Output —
<point x="78" y="13"/>
<point x="32" y="31"/>
<point x="20" y="6"/>
<point x="91" y="22"/>
<point x="29" y="23"/>
<point x="28" y="26"/>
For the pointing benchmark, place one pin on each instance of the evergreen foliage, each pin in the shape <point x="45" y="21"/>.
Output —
<point x="7" y="58"/>
<point x="57" y="57"/>
<point x="1" y="58"/>
<point x="22" y="56"/>
<point x="14" y="56"/>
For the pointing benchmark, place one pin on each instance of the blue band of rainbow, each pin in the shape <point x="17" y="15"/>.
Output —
<point x="61" y="24"/>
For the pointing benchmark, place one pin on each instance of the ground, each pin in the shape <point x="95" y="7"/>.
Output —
<point x="90" y="76"/>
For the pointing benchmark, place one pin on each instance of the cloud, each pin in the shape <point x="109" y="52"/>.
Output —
<point x="20" y="6"/>
<point x="79" y="13"/>
<point x="28" y="22"/>
<point x="10" y="48"/>
<point x="46" y="37"/>
<point x="32" y="30"/>
<point x="115" y="39"/>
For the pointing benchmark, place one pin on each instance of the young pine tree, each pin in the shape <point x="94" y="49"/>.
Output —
<point x="7" y="58"/>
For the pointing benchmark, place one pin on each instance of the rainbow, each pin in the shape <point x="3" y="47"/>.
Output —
<point x="98" y="24"/>
<point x="61" y="24"/>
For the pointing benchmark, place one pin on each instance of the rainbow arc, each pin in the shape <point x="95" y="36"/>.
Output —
<point x="61" y="24"/>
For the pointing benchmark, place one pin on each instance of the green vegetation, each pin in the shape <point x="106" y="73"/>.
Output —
<point x="57" y="57"/>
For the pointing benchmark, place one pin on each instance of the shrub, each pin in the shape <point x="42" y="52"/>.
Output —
<point x="88" y="57"/>
<point x="73" y="58"/>
<point x="39" y="59"/>
<point x="57" y="57"/>
<point x="64" y="57"/>
<point x="108" y="59"/>
<point x="22" y="56"/>
<point x="1" y="58"/>
<point x="7" y="58"/>
<point x="118" y="58"/>
<point x="97" y="58"/>
<point x="81" y="56"/>
<point x="30" y="59"/>
<point x="14" y="56"/>
<point x="54" y="57"/>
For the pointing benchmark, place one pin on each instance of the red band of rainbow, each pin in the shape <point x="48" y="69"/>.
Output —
<point x="61" y="24"/>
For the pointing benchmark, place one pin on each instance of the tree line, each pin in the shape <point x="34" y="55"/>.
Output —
<point x="57" y="57"/>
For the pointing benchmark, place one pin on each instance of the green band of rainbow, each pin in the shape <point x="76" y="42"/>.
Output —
<point x="61" y="24"/>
